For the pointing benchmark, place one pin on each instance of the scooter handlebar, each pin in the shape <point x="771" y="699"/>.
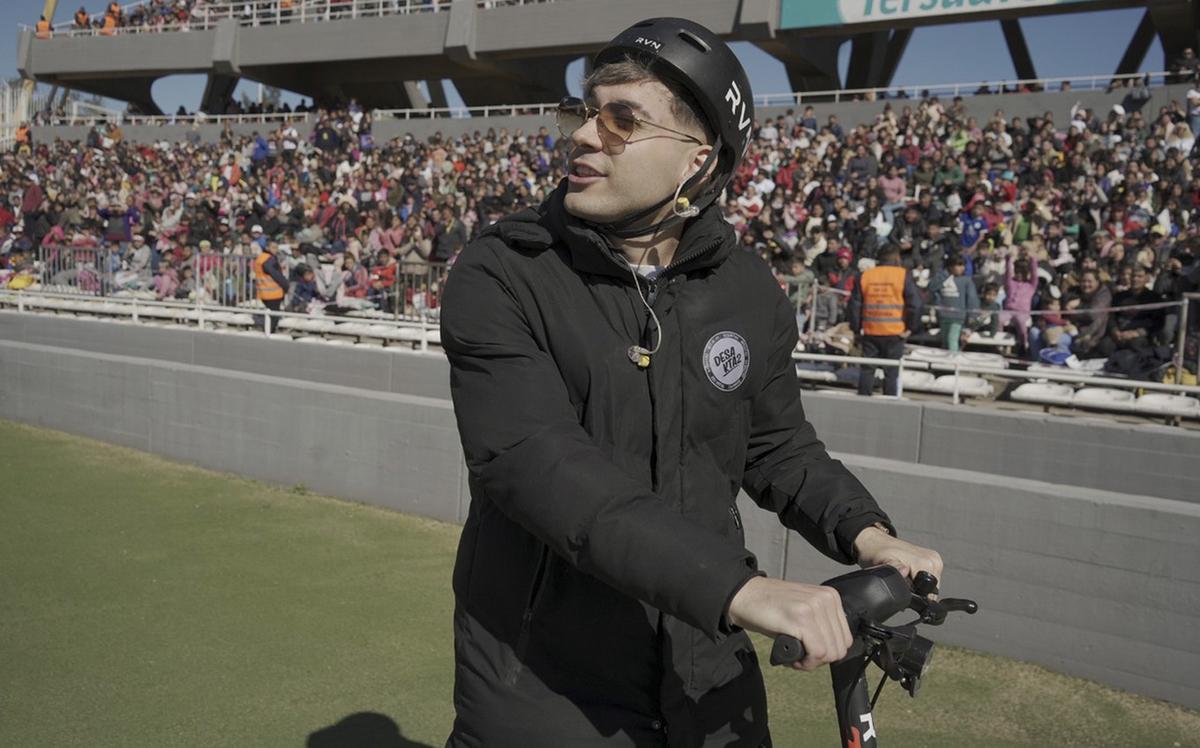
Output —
<point x="787" y="650"/>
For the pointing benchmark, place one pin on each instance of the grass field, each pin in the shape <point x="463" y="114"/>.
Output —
<point x="147" y="603"/>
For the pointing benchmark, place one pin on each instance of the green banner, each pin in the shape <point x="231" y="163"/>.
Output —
<point x="796" y="14"/>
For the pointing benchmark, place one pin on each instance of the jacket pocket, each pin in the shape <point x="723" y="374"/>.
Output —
<point x="535" y="591"/>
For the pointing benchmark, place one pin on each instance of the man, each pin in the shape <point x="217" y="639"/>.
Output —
<point x="270" y="283"/>
<point x="884" y="310"/>
<point x="910" y="232"/>
<point x="450" y="237"/>
<point x="618" y="370"/>
<point x="1134" y="329"/>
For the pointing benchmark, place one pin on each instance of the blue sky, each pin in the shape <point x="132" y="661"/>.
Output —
<point x="1062" y="45"/>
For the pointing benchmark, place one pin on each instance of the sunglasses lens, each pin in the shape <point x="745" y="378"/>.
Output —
<point x="570" y="116"/>
<point x="619" y="120"/>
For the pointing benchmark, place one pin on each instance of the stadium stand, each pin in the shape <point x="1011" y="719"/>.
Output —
<point x="1079" y="235"/>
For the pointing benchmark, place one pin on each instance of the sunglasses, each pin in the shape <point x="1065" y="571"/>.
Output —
<point x="616" y="121"/>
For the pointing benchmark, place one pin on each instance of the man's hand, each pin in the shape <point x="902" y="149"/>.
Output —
<point x="809" y="612"/>
<point x="874" y="546"/>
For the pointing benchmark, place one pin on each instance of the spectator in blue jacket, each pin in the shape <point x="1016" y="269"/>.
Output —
<point x="956" y="299"/>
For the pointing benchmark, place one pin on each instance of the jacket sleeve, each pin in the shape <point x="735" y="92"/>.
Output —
<point x="854" y="310"/>
<point x="912" y="303"/>
<point x="271" y="267"/>
<point x="788" y="470"/>
<point x="528" y="453"/>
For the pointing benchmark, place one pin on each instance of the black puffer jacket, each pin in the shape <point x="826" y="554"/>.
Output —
<point x="603" y="543"/>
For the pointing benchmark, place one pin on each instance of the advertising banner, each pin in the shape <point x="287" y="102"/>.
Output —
<point x="796" y="14"/>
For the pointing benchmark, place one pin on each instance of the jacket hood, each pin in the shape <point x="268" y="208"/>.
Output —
<point x="707" y="239"/>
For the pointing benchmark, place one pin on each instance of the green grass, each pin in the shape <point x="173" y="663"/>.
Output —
<point x="147" y="603"/>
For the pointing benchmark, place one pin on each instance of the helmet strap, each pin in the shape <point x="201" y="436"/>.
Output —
<point x="681" y="207"/>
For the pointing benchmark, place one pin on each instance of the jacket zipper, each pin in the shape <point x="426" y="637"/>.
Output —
<point x="535" y="591"/>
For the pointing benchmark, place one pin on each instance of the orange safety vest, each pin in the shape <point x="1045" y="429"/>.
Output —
<point x="22" y="134"/>
<point x="43" y="29"/>
<point x="268" y="289"/>
<point x="883" y="300"/>
<point x="110" y="25"/>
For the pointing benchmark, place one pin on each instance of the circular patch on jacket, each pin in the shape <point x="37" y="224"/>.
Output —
<point x="726" y="360"/>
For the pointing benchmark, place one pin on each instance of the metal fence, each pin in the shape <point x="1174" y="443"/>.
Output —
<point x="208" y="13"/>
<point x="226" y="280"/>
<point x="1078" y="83"/>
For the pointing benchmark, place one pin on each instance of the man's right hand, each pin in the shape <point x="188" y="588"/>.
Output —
<point x="809" y="612"/>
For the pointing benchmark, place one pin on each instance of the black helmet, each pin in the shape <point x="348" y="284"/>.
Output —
<point x="692" y="56"/>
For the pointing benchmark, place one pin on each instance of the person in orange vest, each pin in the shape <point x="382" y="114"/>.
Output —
<point x="43" y="28"/>
<point x="883" y="311"/>
<point x="269" y="281"/>
<point x="110" y="25"/>
<point x="82" y="19"/>
<point x="23" y="138"/>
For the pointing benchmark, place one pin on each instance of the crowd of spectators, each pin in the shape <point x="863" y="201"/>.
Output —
<point x="356" y="213"/>
<point x="1039" y="216"/>
<point x="1020" y="224"/>
<point x="181" y="15"/>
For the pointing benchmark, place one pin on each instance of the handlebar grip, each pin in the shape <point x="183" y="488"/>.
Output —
<point x="786" y="650"/>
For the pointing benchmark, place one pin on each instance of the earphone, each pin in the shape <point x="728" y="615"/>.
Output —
<point x="639" y="356"/>
<point x="682" y="207"/>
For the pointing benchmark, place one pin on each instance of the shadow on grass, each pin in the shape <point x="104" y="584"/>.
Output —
<point x="362" y="730"/>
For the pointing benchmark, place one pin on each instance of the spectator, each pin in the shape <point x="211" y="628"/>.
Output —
<point x="955" y="299"/>
<point x="1134" y="329"/>
<point x="304" y="289"/>
<point x="1020" y="286"/>
<point x="450" y="237"/>
<point x="1092" y="299"/>
<point x="987" y="320"/>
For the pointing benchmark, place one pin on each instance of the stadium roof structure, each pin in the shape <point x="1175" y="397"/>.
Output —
<point x="516" y="51"/>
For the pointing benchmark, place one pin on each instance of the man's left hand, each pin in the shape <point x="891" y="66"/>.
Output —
<point x="875" y="546"/>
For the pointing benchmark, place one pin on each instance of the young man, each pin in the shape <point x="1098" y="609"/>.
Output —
<point x="618" y="371"/>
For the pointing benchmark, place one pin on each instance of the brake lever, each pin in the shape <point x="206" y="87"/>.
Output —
<point x="935" y="611"/>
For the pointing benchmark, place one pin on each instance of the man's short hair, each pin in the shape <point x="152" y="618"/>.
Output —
<point x="684" y="106"/>
<point x="889" y="252"/>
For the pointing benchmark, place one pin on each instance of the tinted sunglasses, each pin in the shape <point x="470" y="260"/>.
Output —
<point x="617" y="122"/>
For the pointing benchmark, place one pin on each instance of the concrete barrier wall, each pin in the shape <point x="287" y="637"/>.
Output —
<point x="1092" y="583"/>
<point x="398" y="451"/>
<point x="1084" y="450"/>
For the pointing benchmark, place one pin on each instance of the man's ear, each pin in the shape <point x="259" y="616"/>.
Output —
<point x="699" y="156"/>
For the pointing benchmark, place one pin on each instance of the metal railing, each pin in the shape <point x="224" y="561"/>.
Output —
<point x="413" y="292"/>
<point x="546" y="110"/>
<point x="959" y="368"/>
<point x="206" y="15"/>
<point x="141" y="310"/>
<point x="203" y="314"/>
<point x="971" y="88"/>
